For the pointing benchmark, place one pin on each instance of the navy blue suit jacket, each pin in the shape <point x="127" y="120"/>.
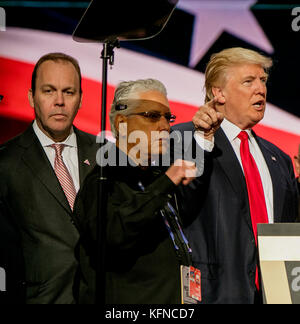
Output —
<point x="221" y="236"/>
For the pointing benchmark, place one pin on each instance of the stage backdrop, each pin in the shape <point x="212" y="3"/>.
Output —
<point x="207" y="22"/>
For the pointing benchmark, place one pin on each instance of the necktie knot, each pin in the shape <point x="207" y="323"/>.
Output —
<point x="58" y="148"/>
<point x="243" y="136"/>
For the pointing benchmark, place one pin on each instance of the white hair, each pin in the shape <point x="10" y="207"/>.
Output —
<point x="131" y="90"/>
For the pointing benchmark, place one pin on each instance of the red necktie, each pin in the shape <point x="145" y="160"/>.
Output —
<point x="63" y="175"/>
<point x="257" y="202"/>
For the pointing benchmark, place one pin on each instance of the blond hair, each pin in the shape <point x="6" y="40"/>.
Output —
<point x="219" y="63"/>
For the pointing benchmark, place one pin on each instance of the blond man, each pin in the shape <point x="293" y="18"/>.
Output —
<point x="247" y="180"/>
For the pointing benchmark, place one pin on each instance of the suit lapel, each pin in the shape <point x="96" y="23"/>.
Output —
<point x="230" y="164"/>
<point x="36" y="160"/>
<point x="272" y="161"/>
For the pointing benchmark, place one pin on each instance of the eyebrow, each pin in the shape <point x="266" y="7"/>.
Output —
<point x="53" y="87"/>
<point x="265" y="76"/>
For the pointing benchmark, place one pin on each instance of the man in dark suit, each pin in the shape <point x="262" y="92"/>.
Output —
<point x="246" y="180"/>
<point x="41" y="171"/>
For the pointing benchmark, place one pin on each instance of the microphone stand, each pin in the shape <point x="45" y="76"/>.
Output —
<point x="107" y="56"/>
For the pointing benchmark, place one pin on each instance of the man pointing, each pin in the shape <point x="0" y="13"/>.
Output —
<point x="246" y="181"/>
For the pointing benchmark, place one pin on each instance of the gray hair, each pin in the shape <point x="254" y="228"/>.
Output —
<point x="127" y="90"/>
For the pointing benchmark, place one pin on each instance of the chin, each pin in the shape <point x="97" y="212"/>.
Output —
<point x="258" y="117"/>
<point x="61" y="127"/>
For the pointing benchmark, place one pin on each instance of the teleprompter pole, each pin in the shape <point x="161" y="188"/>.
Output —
<point x="107" y="56"/>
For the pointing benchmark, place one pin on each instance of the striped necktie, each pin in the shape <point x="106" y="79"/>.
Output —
<point x="63" y="175"/>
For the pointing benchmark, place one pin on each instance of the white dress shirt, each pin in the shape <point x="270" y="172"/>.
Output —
<point x="232" y="131"/>
<point x="69" y="154"/>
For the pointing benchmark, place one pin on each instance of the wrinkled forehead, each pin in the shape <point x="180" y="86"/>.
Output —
<point x="141" y="105"/>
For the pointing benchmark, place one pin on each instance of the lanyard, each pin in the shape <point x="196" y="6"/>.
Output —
<point x="173" y="212"/>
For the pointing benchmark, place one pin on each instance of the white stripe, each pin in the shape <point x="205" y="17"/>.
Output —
<point x="184" y="85"/>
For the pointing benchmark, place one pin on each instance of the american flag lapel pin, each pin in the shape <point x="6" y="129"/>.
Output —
<point x="87" y="162"/>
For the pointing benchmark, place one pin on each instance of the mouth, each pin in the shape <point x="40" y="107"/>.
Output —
<point x="59" y="116"/>
<point x="259" y="105"/>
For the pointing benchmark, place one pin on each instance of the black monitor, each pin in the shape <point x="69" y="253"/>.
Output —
<point x="110" y="20"/>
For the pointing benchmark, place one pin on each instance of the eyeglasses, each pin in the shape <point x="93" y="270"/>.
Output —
<point x="155" y="116"/>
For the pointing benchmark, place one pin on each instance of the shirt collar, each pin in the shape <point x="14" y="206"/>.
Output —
<point x="232" y="131"/>
<point x="46" y="141"/>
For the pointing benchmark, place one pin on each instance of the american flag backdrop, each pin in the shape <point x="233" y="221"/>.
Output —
<point x="177" y="57"/>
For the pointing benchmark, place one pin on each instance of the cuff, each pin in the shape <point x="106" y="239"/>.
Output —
<point x="205" y="144"/>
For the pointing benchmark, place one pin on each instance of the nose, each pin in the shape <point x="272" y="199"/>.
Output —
<point x="59" y="99"/>
<point x="261" y="88"/>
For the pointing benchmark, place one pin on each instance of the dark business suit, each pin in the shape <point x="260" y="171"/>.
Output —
<point x="43" y="214"/>
<point x="11" y="260"/>
<point x="221" y="237"/>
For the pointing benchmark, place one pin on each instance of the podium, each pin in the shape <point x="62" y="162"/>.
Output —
<point x="279" y="256"/>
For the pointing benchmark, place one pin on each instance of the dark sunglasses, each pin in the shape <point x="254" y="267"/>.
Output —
<point x="155" y="116"/>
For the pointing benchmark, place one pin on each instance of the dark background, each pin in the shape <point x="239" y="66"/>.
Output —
<point x="174" y="42"/>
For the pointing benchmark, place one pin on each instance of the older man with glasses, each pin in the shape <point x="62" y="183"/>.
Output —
<point x="145" y="243"/>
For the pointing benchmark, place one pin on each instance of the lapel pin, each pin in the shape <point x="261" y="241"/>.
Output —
<point x="87" y="162"/>
<point x="274" y="158"/>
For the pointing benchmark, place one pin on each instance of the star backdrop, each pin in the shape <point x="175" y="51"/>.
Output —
<point x="177" y="56"/>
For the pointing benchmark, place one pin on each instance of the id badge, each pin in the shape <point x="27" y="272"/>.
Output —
<point x="190" y="285"/>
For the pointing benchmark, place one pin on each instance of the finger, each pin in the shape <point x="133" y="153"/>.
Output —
<point x="207" y="114"/>
<point x="202" y="125"/>
<point x="187" y="181"/>
<point x="220" y="117"/>
<point x="212" y="114"/>
<point x="190" y="173"/>
<point x="211" y="104"/>
<point x="189" y="164"/>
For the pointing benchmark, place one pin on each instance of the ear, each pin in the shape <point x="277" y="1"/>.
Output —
<point x="30" y="98"/>
<point x="218" y="93"/>
<point x="121" y="119"/>
<point x="80" y="103"/>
